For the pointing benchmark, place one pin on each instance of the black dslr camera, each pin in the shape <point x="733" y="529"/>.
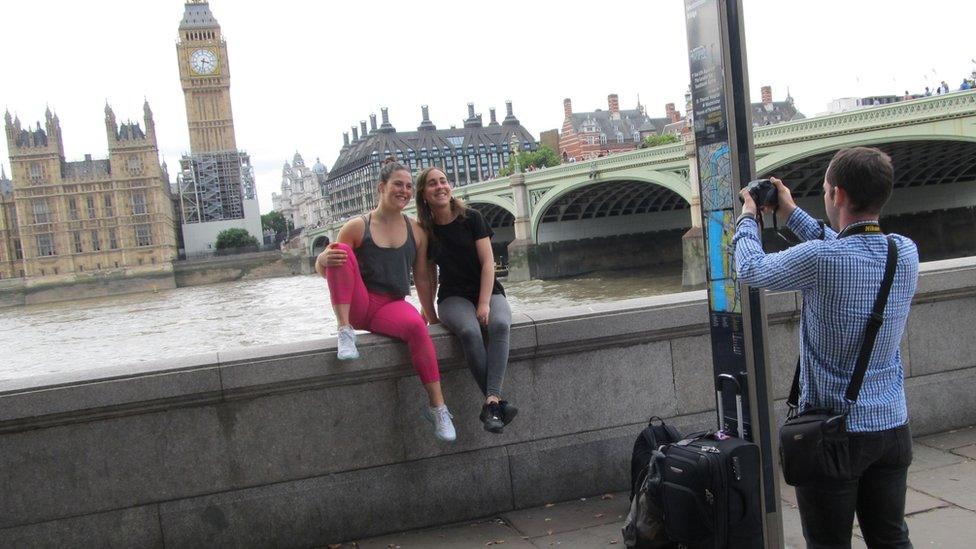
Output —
<point x="763" y="193"/>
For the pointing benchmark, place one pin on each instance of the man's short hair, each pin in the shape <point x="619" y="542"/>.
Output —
<point x="865" y="174"/>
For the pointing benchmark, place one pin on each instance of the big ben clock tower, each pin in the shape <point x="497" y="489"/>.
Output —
<point x="205" y="76"/>
<point x="216" y="180"/>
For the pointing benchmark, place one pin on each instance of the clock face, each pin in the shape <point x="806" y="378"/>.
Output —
<point x="203" y="61"/>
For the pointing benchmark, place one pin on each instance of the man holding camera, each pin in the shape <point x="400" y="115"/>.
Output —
<point x="839" y="270"/>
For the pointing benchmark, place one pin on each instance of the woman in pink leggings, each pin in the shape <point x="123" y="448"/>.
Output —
<point x="368" y="271"/>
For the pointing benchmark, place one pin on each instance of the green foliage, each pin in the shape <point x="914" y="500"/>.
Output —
<point x="544" y="157"/>
<point x="235" y="238"/>
<point x="275" y="221"/>
<point x="656" y="140"/>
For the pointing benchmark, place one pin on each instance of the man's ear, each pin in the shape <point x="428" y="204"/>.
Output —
<point x="838" y="196"/>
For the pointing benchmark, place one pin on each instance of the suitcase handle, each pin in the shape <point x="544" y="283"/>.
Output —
<point x="719" y="382"/>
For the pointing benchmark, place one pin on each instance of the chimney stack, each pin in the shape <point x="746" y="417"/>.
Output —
<point x="567" y="107"/>
<point x="425" y="123"/>
<point x="372" y="124"/>
<point x="470" y="110"/>
<point x="614" y="103"/>
<point x="767" y="95"/>
<point x="362" y="128"/>
<point x="386" y="127"/>
<point x="671" y="113"/>
<point x="345" y="139"/>
<point x="355" y="134"/>
<point x="494" y="121"/>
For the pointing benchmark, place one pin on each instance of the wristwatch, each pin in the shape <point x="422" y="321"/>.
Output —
<point x="744" y="215"/>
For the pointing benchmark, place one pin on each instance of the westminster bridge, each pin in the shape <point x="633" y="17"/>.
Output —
<point x="632" y="209"/>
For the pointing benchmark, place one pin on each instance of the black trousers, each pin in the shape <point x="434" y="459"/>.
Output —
<point x="881" y="460"/>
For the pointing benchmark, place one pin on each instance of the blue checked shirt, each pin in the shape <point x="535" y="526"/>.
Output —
<point x="839" y="279"/>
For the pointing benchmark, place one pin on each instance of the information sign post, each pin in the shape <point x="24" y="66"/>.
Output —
<point x="723" y="150"/>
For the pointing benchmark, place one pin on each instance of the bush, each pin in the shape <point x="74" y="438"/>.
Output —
<point x="657" y="140"/>
<point x="235" y="238"/>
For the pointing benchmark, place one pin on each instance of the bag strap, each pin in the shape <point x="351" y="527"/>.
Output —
<point x="874" y="323"/>
<point x="870" y="335"/>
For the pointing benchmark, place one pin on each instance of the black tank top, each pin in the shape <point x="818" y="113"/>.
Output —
<point x="386" y="270"/>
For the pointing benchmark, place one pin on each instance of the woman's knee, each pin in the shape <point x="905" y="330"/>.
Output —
<point x="499" y="326"/>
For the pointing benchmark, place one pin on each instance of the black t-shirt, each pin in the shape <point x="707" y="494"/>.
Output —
<point x="453" y="250"/>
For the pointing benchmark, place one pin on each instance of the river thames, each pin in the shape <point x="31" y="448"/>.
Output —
<point x="114" y="331"/>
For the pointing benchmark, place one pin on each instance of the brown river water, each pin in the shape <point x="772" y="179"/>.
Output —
<point x="114" y="331"/>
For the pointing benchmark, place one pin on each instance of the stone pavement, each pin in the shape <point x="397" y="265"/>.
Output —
<point x="941" y="511"/>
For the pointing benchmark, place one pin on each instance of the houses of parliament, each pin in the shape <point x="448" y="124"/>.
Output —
<point x="113" y="225"/>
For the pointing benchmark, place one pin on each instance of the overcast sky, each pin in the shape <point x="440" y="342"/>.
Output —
<point x="303" y="72"/>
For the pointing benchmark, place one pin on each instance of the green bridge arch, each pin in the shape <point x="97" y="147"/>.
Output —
<point x="668" y="180"/>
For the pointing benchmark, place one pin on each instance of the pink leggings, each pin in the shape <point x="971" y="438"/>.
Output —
<point x="383" y="314"/>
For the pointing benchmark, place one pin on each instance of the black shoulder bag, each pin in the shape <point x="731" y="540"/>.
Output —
<point x="814" y="445"/>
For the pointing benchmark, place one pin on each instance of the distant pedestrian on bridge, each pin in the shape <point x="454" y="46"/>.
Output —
<point x="470" y="302"/>
<point x="839" y="270"/>
<point x="368" y="271"/>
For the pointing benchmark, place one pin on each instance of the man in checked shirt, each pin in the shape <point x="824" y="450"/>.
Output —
<point x="839" y="270"/>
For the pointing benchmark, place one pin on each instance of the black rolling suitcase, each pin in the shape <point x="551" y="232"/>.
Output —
<point x="710" y="490"/>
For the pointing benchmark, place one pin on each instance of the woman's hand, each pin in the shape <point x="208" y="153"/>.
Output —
<point x="482" y="313"/>
<point x="333" y="256"/>
<point x="431" y="319"/>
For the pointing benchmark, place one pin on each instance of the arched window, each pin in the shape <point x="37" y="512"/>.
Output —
<point x="603" y="139"/>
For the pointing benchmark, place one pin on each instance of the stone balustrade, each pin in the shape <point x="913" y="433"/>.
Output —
<point x="286" y="446"/>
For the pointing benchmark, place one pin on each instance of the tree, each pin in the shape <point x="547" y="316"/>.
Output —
<point x="656" y="140"/>
<point x="544" y="157"/>
<point x="275" y="221"/>
<point x="235" y="238"/>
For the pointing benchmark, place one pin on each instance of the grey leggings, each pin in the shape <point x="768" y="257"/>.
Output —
<point x="487" y="354"/>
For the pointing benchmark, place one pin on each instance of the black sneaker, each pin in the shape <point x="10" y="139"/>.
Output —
<point x="491" y="416"/>
<point x="509" y="411"/>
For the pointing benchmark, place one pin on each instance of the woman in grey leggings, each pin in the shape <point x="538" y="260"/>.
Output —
<point x="470" y="301"/>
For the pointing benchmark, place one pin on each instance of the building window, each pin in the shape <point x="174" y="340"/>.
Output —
<point x="143" y="235"/>
<point x="96" y="243"/>
<point x="138" y="203"/>
<point x="36" y="173"/>
<point x="620" y="137"/>
<point x="42" y="214"/>
<point x="134" y="164"/>
<point x="90" y="206"/>
<point x="113" y="242"/>
<point x="109" y="212"/>
<point x="18" y="251"/>
<point x="603" y="139"/>
<point x="636" y="137"/>
<point x="73" y="208"/>
<point x="45" y="244"/>
<point x="77" y="239"/>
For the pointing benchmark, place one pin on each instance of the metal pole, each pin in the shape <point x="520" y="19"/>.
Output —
<point x="722" y="115"/>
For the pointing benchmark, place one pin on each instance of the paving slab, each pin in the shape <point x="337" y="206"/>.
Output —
<point x="917" y="502"/>
<point x="949" y="527"/>
<point x="926" y="457"/>
<point x="966" y="451"/>
<point x="476" y="534"/>
<point x="571" y="515"/>
<point x="955" y="484"/>
<point x="594" y="537"/>
<point x="949" y="440"/>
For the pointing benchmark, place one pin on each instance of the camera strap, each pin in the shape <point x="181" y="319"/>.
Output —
<point x="871" y="330"/>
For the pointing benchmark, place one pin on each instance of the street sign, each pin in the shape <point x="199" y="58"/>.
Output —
<point x="722" y="129"/>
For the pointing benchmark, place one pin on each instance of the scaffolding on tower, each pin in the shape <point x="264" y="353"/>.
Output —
<point x="213" y="186"/>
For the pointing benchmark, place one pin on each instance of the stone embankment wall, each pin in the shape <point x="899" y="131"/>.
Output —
<point x="18" y="291"/>
<point x="286" y="446"/>
<point x="211" y="270"/>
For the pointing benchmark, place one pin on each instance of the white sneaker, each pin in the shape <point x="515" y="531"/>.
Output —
<point x="441" y="419"/>
<point x="347" y="344"/>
